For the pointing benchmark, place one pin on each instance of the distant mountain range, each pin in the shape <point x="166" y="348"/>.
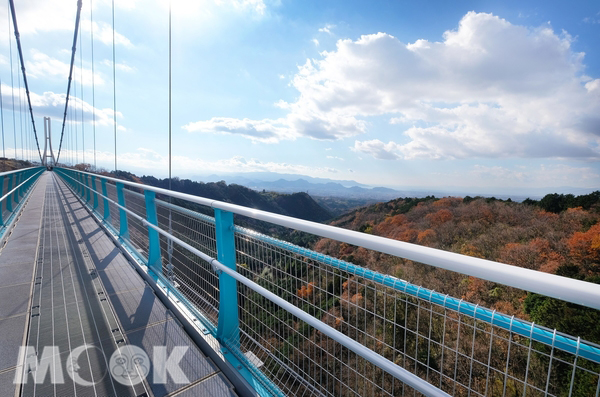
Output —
<point x="319" y="187"/>
<point x="299" y="205"/>
<point x="349" y="189"/>
<point x="248" y="178"/>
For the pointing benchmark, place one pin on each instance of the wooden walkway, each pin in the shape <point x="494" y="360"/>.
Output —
<point x="64" y="283"/>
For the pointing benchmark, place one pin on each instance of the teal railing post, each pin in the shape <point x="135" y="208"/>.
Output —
<point x="78" y="177"/>
<point x="123" y="227"/>
<point x="8" y="189"/>
<point x="1" y="194"/>
<point x="154" y="260"/>
<point x="106" y="207"/>
<point x="17" y="181"/>
<point x="87" y="185"/>
<point x="81" y="186"/>
<point x="228" y="327"/>
<point x="95" y="194"/>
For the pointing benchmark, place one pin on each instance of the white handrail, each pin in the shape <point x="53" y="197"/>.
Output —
<point x="564" y="288"/>
<point x="393" y="369"/>
<point x="17" y="171"/>
<point x="18" y="187"/>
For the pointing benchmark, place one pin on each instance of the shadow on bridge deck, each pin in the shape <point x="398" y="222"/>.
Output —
<point x="64" y="283"/>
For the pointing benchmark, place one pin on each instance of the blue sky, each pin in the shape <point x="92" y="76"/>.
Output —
<point x="435" y="94"/>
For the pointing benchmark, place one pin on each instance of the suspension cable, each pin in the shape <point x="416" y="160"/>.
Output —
<point x="79" y="4"/>
<point x="74" y="121"/>
<point x="93" y="82"/>
<point x="114" y="82"/>
<point x="81" y="99"/>
<point x="12" y="88"/>
<point x="2" y="117"/>
<point x="21" y="115"/>
<point x="170" y="112"/>
<point x="18" y="38"/>
<point x="170" y="243"/>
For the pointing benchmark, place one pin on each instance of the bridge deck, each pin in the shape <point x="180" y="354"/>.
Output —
<point x="64" y="283"/>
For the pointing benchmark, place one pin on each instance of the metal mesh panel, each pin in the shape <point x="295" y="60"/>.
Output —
<point x="193" y="277"/>
<point x="138" y="233"/>
<point x="111" y="191"/>
<point x="457" y="353"/>
<point x="97" y="186"/>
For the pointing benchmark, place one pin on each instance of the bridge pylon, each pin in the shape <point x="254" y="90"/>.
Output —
<point x="48" y="143"/>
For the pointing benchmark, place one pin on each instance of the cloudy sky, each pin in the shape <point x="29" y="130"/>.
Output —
<point x="431" y="94"/>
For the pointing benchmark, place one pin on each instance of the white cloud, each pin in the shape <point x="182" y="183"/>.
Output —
<point x="148" y="159"/>
<point x="119" y="66"/>
<point x="36" y="16"/>
<point x="489" y="89"/>
<point x="43" y="66"/>
<point x="554" y="175"/>
<point x="315" y="42"/>
<point x="281" y="76"/>
<point x="104" y="33"/>
<point x="268" y="131"/>
<point x="377" y="149"/>
<point x="593" y="19"/>
<point x="335" y="158"/>
<point x="50" y="104"/>
<point x="327" y="28"/>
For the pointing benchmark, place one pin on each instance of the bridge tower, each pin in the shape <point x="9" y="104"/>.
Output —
<point x="48" y="142"/>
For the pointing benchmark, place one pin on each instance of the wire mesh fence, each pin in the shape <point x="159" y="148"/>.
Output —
<point x="460" y="353"/>
<point x="456" y="352"/>
<point x="191" y="275"/>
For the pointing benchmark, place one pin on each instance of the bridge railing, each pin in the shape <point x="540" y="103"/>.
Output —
<point x="309" y="324"/>
<point x="15" y="186"/>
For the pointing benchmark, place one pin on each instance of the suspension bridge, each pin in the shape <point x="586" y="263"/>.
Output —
<point x="110" y="287"/>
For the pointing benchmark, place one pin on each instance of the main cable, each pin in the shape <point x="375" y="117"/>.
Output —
<point x="21" y="116"/>
<point x="74" y="48"/>
<point x="18" y="37"/>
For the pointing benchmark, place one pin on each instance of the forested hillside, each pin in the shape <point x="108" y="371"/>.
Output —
<point x="558" y="234"/>
<point x="299" y="205"/>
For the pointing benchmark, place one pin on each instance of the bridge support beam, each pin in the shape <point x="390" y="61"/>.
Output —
<point x="228" y="328"/>
<point x="154" y="258"/>
<point x="123" y="226"/>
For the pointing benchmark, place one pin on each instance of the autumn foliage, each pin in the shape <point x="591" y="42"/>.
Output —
<point x="518" y="234"/>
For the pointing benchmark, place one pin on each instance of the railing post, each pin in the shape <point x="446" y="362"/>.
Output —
<point x="154" y="260"/>
<point x="106" y="206"/>
<point x="17" y="181"/>
<point x="123" y="227"/>
<point x="87" y="185"/>
<point x="1" y="194"/>
<point x="228" y="327"/>
<point x="8" y="189"/>
<point x="95" y="194"/>
<point x="79" y="187"/>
